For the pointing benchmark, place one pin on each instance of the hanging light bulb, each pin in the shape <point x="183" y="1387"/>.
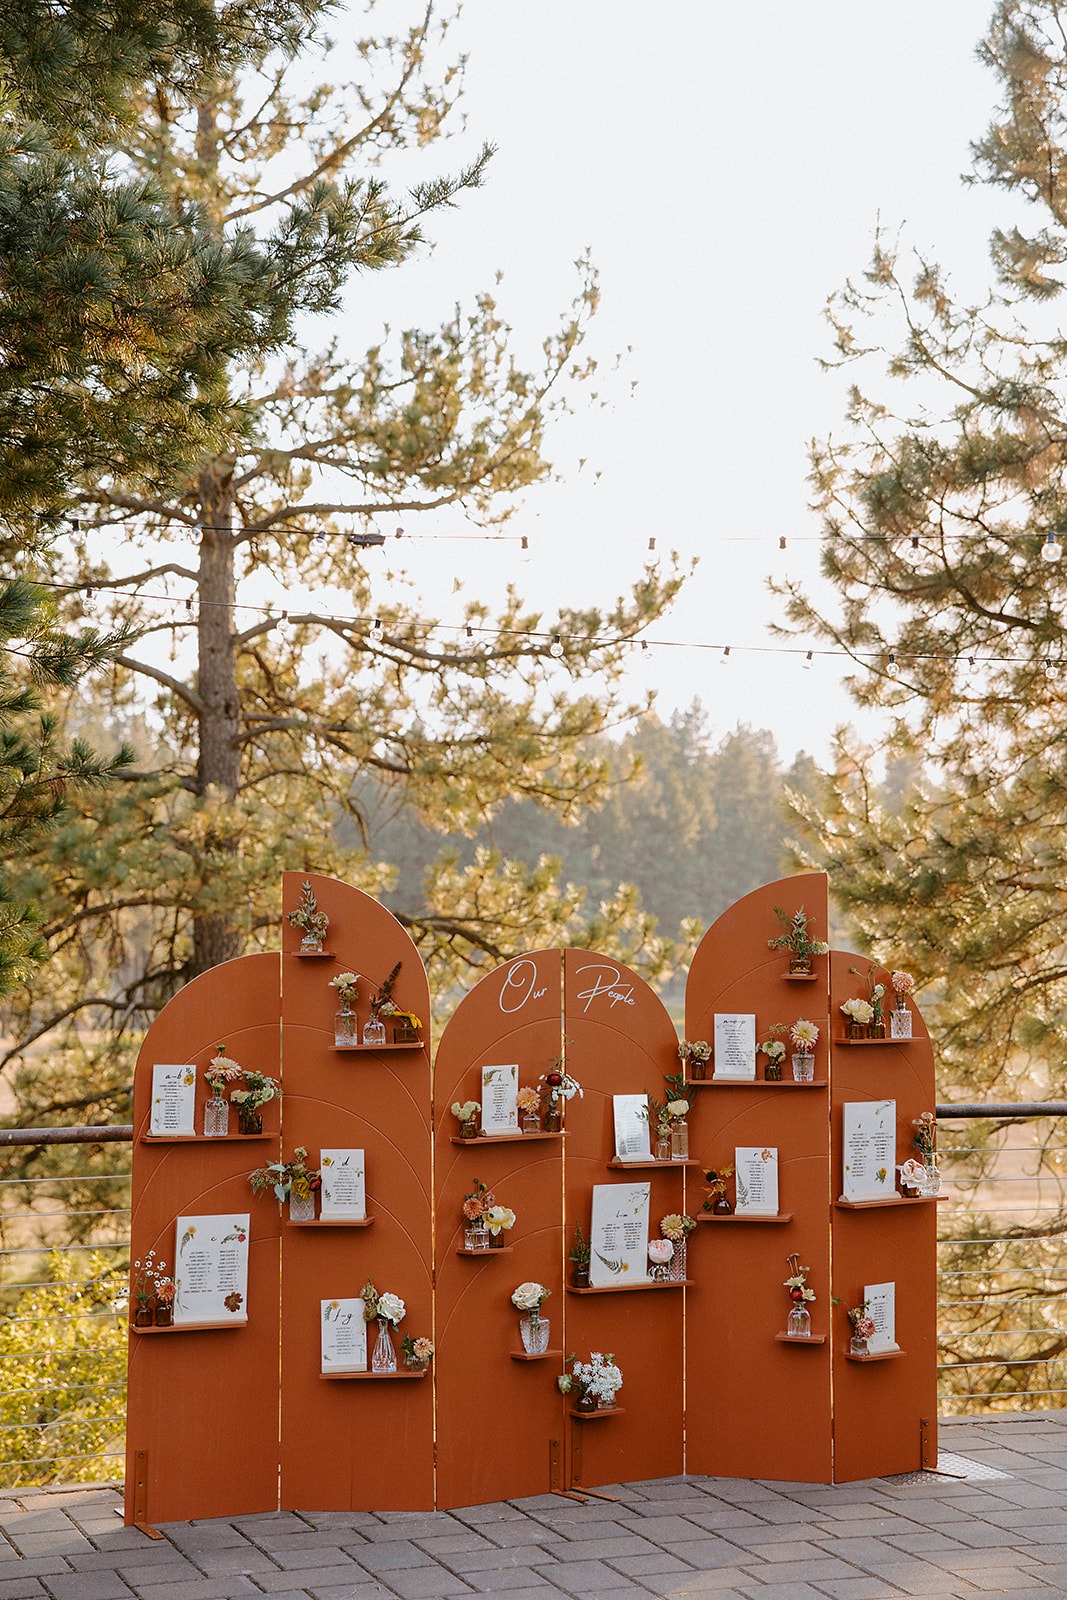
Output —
<point x="891" y="665"/>
<point x="320" y="537"/>
<point x="806" y="663"/>
<point x="376" y="627"/>
<point x="556" y="647"/>
<point x="400" y="533"/>
<point x="781" y="542"/>
<point x="652" y="544"/>
<point x="524" y="549"/>
<point x="283" y="622"/>
<point x="1050" y="668"/>
<point x="1051" y="550"/>
<point x="724" y="658"/>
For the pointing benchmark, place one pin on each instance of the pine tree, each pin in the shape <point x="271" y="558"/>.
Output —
<point x="938" y="508"/>
<point x="117" y="320"/>
<point x="177" y="868"/>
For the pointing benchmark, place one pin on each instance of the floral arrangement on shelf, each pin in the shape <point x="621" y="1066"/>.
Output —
<point x="555" y="1087"/>
<point x="863" y="1328"/>
<point x="796" y="939"/>
<point x="903" y="983"/>
<point x="499" y="1220"/>
<point x="385" y="1307"/>
<point x="716" y="1199"/>
<point x="676" y="1227"/>
<point x="860" y="1013"/>
<point x="694" y="1054"/>
<point x="656" y="1114"/>
<point x="800" y="1296"/>
<point x="875" y="996"/>
<point x="288" y="1178"/>
<point x="528" y="1298"/>
<point x="594" y="1383"/>
<point x="774" y="1049"/>
<point x="528" y="1105"/>
<point x="466" y="1113"/>
<point x="660" y="1253"/>
<point x="347" y="986"/>
<point x="153" y="1289"/>
<point x="312" y="922"/>
<point x="925" y="1138"/>
<point x="417" y="1353"/>
<point x="913" y="1175"/>
<point x="258" y="1090"/>
<point x="383" y="997"/>
<point x="580" y="1256"/>
<point x="222" y="1071"/>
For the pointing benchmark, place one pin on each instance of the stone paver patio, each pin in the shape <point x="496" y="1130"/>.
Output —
<point x="1000" y="1530"/>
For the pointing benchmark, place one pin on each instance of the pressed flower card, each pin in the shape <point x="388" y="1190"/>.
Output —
<point x="870" y="1150"/>
<point x="735" y="1045"/>
<point x="619" y="1234"/>
<point x="211" y="1268"/>
<point x="881" y="1299"/>
<point x="756" y="1176"/>
<point x="631" y="1127"/>
<point x="500" y="1109"/>
<point x="173" y="1101"/>
<point x="344" y="1191"/>
<point x="344" y="1335"/>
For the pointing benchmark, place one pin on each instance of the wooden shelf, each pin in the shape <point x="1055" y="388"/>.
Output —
<point x="896" y="1200"/>
<point x="878" y="1355"/>
<point x="194" y="1327"/>
<point x="799" y="977"/>
<point x="781" y="1216"/>
<point x="380" y="1377"/>
<point x="483" y="1255"/>
<point x="800" y="1338"/>
<point x="595" y="1416"/>
<point x="313" y="955"/>
<point x="505" y="1138"/>
<point x="521" y="1355"/>
<point x="201" y="1138"/>
<point x="333" y="1222"/>
<point x="420" y="1044"/>
<point x="629" y="1288"/>
<point x="754" y="1083"/>
<point x="660" y="1166"/>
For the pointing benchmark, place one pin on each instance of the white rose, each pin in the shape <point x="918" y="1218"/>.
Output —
<point x="528" y="1296"/>
<point x="392" y="1307"/>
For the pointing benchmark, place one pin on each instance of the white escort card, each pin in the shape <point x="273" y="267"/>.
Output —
<point x="870" y="1150"/>
<point x="735" y="1046"/>
<point x="173" y="1102"/>
<point x="881" y="1301"/>
<point x="756" y="1174"/>
<point x="344" y="1336"/>
<point x="344" y="1190"/>
<point x="631" y="1127"/>
<point x="618" y="1235"/>
<point x="211" y="1269"/>
<point x="500" y="1088"/>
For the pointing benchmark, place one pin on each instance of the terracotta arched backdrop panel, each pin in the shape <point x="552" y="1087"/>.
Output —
<point x="885" y="1412"/>
<point x="756" y="1407"/>
<point x="202" y="1429"/>
<point x="499" y="1419"/>
<point x="378" y="1100"/>
<point x="620" y="1040"/>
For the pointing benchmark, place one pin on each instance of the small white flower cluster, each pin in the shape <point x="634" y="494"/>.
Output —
<point x="598" y="1376"/>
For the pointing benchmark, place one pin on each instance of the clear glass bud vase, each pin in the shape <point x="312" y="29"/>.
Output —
<point x="374" y="1031"/>
<point x="216" y="1118"/>
<point x="534" y="1334"/>
<point x="799" y="1324"/>
<point x="676" y="1269"/>
<point x="383" y="1357"/>
<point x="900" y="1023"/>
<point x="302" y="1207"/>
<point x="679" y="1141"/>
<point x="345" y="1026"/>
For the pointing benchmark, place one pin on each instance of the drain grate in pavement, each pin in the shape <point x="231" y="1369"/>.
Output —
<point x="951" y="1466"/>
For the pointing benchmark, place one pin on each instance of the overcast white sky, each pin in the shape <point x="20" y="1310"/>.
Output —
<point x="726" y="165"/>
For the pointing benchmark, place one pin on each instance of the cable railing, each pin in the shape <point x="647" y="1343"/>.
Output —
<point x="64" y="1258"/>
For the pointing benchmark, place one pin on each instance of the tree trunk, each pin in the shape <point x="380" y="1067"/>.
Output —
<point x="215" y="937"/>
